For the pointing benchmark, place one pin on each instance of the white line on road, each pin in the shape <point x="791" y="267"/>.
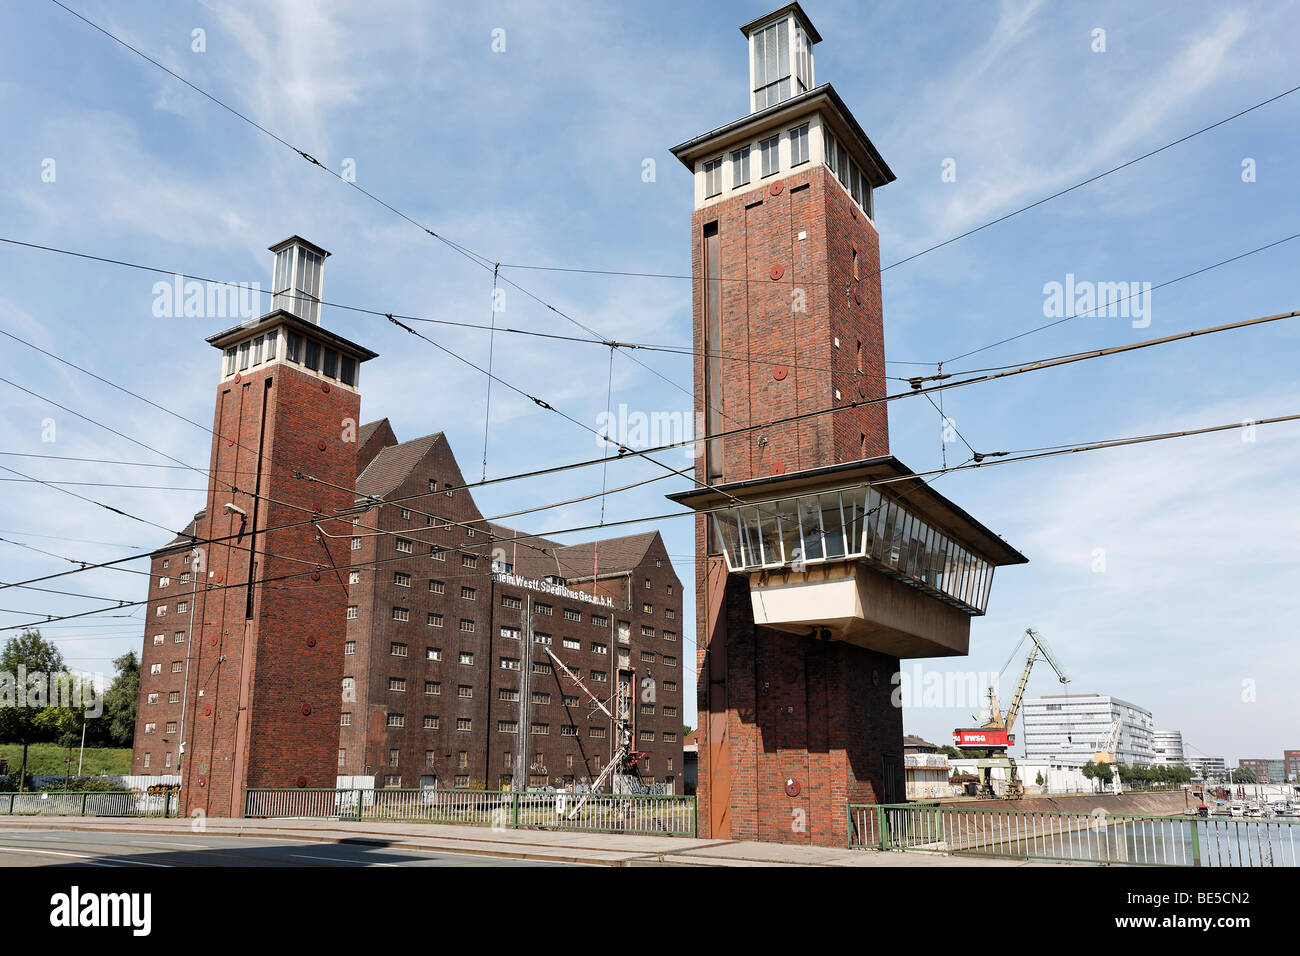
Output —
<point x="335" y="859"/>
<point x="80" y="856"/>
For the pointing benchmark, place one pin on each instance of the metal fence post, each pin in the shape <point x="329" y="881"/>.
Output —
<point x="360" y="805"/>
<point x="83" y="803"/>
<point x="882" y="826"/>
<point x="514" y="809"/>
<point x="1196" y="844"/>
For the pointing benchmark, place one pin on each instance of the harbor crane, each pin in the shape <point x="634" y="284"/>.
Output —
<point x="995" y="735"/>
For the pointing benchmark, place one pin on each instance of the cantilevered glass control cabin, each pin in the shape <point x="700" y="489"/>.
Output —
<point x="863" y="552"/>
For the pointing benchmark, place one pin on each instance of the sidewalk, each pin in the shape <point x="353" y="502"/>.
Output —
<point x="607" y="849"/>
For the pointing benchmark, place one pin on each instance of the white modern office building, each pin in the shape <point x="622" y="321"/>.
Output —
<point x="1070" y="728"/>
<point x="1167" y="748"/>
<point x="1215" y="767"/>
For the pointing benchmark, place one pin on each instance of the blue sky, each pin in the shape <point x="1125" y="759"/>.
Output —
<point x="535" y="155"/>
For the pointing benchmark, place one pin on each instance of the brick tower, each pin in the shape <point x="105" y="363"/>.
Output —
<point x="808" y="597"/>
<point x="265" y="661"/>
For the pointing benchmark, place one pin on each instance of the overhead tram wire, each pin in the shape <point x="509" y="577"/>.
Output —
<point x="476" y="258"/>
<point x="486" y="263"/>
<point x="946" y="242"/>
<point x="998" y="458"/>
<point x="683" y="350"/>
<point x="540" y="403"/>
<point x="233" y="487"/>
<point x="1035" y="366"/>
<point x="1108" y="304"/>
<point x="918" y="389"/>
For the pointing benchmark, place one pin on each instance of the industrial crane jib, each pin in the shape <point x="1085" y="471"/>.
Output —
<point x="995" y="734"/>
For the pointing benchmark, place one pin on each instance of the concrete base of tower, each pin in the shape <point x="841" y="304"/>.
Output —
<point x="852" y="602"/>
<point x="796" y="728"/>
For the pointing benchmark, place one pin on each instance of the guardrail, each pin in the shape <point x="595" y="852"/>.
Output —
<point x="122" y="803"/>
<point x="1096" y="837"/>
<point x="502" y="809"/>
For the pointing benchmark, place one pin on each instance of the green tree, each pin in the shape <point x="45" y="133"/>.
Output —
<point x="66" y="720"/>
<point x="23" y="658"/>
<point x="117" y="726"/>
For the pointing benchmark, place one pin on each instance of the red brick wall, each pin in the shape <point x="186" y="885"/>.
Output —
<point x="765" y="336"/>
<point x="815" y="715"/>
<point x="263" y="707"/>
<point x="369" y="741"/>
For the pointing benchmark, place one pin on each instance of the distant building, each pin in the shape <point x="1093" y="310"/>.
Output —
<point x="1070" y="728"/>
<point x="1208" y="768"/>
<point x="918" y="745"/>
<point x="1291" y="762"/>
<point x="1266" y="769"/>
<point x="1167" y="748"/>
<point x="926" y="773"/>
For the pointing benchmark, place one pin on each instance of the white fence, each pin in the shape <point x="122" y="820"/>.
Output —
<point x="622" y="813"/>
<point x="107" y="804"/>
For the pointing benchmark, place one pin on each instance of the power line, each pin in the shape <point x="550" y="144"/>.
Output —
<point x="1048" y="363"/>
<point x="33" y="534"/>
<point x="918" y="389"/>
<point x="477" y="259"/>
<point x="939" y="245"/>
<point x="1108" y="304"/>
<point x="1007" y="458"/>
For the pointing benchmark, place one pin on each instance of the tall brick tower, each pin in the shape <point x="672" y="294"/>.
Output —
<point x="263" y="672"/>
<point x="838" y="563"/>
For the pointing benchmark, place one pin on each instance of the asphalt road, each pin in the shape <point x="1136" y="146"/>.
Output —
<point x="19" y="848"/>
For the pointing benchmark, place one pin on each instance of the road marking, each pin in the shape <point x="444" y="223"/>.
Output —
<point x="80" y="856"/>
<point x="335" y="859"/>
<point x="184" y="846"/>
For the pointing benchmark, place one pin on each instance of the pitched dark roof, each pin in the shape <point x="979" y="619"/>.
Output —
<point x="186" y="538"/>
<point x="393" y="465"/>
<point x="367" y="431"/>
<point x="572" y="561"/>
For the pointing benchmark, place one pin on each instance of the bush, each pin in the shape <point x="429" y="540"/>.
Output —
<point x="86" y="785"/>
<point x="9" y="783"/>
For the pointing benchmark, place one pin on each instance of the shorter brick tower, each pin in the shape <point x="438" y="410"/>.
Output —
<point x="819" y="561"/>
<point x="264" y="665"/>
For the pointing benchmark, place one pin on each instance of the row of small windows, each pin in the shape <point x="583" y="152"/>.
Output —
<point x="837" y="158"/>
<point x="306" y="352"/>
<point x="769" y="157"/>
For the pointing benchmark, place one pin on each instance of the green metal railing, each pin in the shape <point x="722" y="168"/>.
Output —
<point x="499" y="809"/>
<point x="1076" y="837"/>
<point x="119" y="803"/>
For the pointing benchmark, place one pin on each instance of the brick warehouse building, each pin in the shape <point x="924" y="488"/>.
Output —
<point x="284" y="649"/>
<point x="820" y="561"/>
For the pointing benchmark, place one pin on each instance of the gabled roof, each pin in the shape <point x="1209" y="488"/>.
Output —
<point x="367" y="431"/>
<point x="573" y="561"/>
<point x="186" y="538"/>
<point x="606" y="556"/>
<point x="394" y="465"/>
